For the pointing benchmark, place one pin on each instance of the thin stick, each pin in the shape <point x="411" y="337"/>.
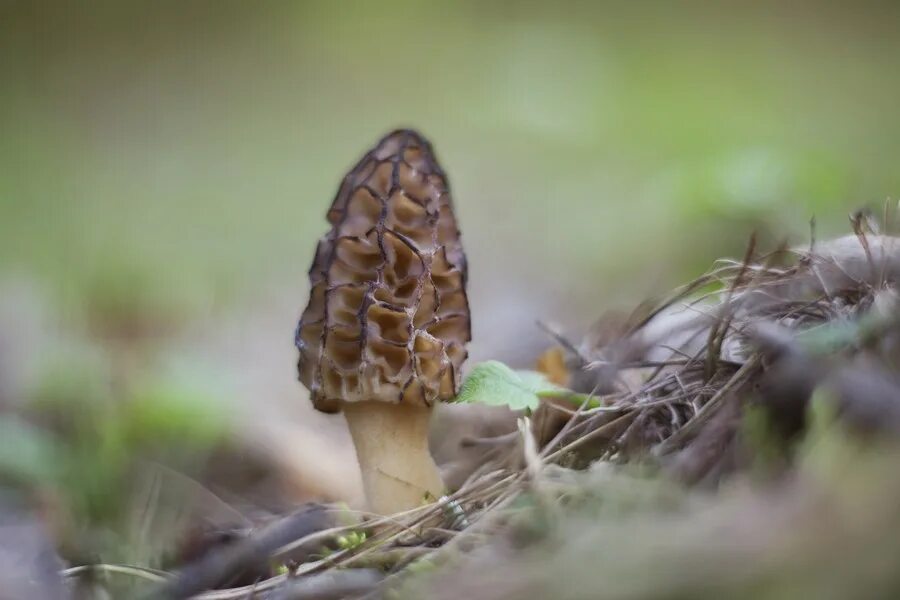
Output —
<point x="153" y="575"/>
<point x="707" y="410"/>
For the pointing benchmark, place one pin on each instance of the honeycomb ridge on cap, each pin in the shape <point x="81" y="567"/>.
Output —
<point x="388" y="317"/>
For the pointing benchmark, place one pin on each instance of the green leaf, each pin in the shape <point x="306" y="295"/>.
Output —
<point x="495" y="384"/>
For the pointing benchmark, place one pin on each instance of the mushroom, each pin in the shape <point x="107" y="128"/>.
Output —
<point x="384" y="334"/>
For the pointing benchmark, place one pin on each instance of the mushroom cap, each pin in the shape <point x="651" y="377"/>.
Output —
<point x="388" y="317"/>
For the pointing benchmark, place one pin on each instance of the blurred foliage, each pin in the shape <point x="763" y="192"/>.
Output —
<point x="199" y="146"/>
<point x="125" y="299"/>
<point x="83" y="447"/>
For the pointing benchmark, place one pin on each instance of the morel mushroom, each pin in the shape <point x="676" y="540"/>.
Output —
<point x="383" y="336"/>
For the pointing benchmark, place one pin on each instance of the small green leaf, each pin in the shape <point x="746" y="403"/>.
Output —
<point x="495" y="384"/>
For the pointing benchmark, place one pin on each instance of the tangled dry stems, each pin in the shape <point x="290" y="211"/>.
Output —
<point x="677" y="367"/>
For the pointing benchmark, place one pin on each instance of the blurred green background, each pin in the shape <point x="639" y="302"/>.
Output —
<point x="192" y="148"/>
<point x="165" y="168"/>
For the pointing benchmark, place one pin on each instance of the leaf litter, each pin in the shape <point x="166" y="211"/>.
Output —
<point x="649" y="459"/>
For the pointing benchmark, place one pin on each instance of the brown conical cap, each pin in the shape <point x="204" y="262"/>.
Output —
<point x="388" y="317"/>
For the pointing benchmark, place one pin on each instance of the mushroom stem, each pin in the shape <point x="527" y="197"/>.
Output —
<point x="392" y="447"/>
